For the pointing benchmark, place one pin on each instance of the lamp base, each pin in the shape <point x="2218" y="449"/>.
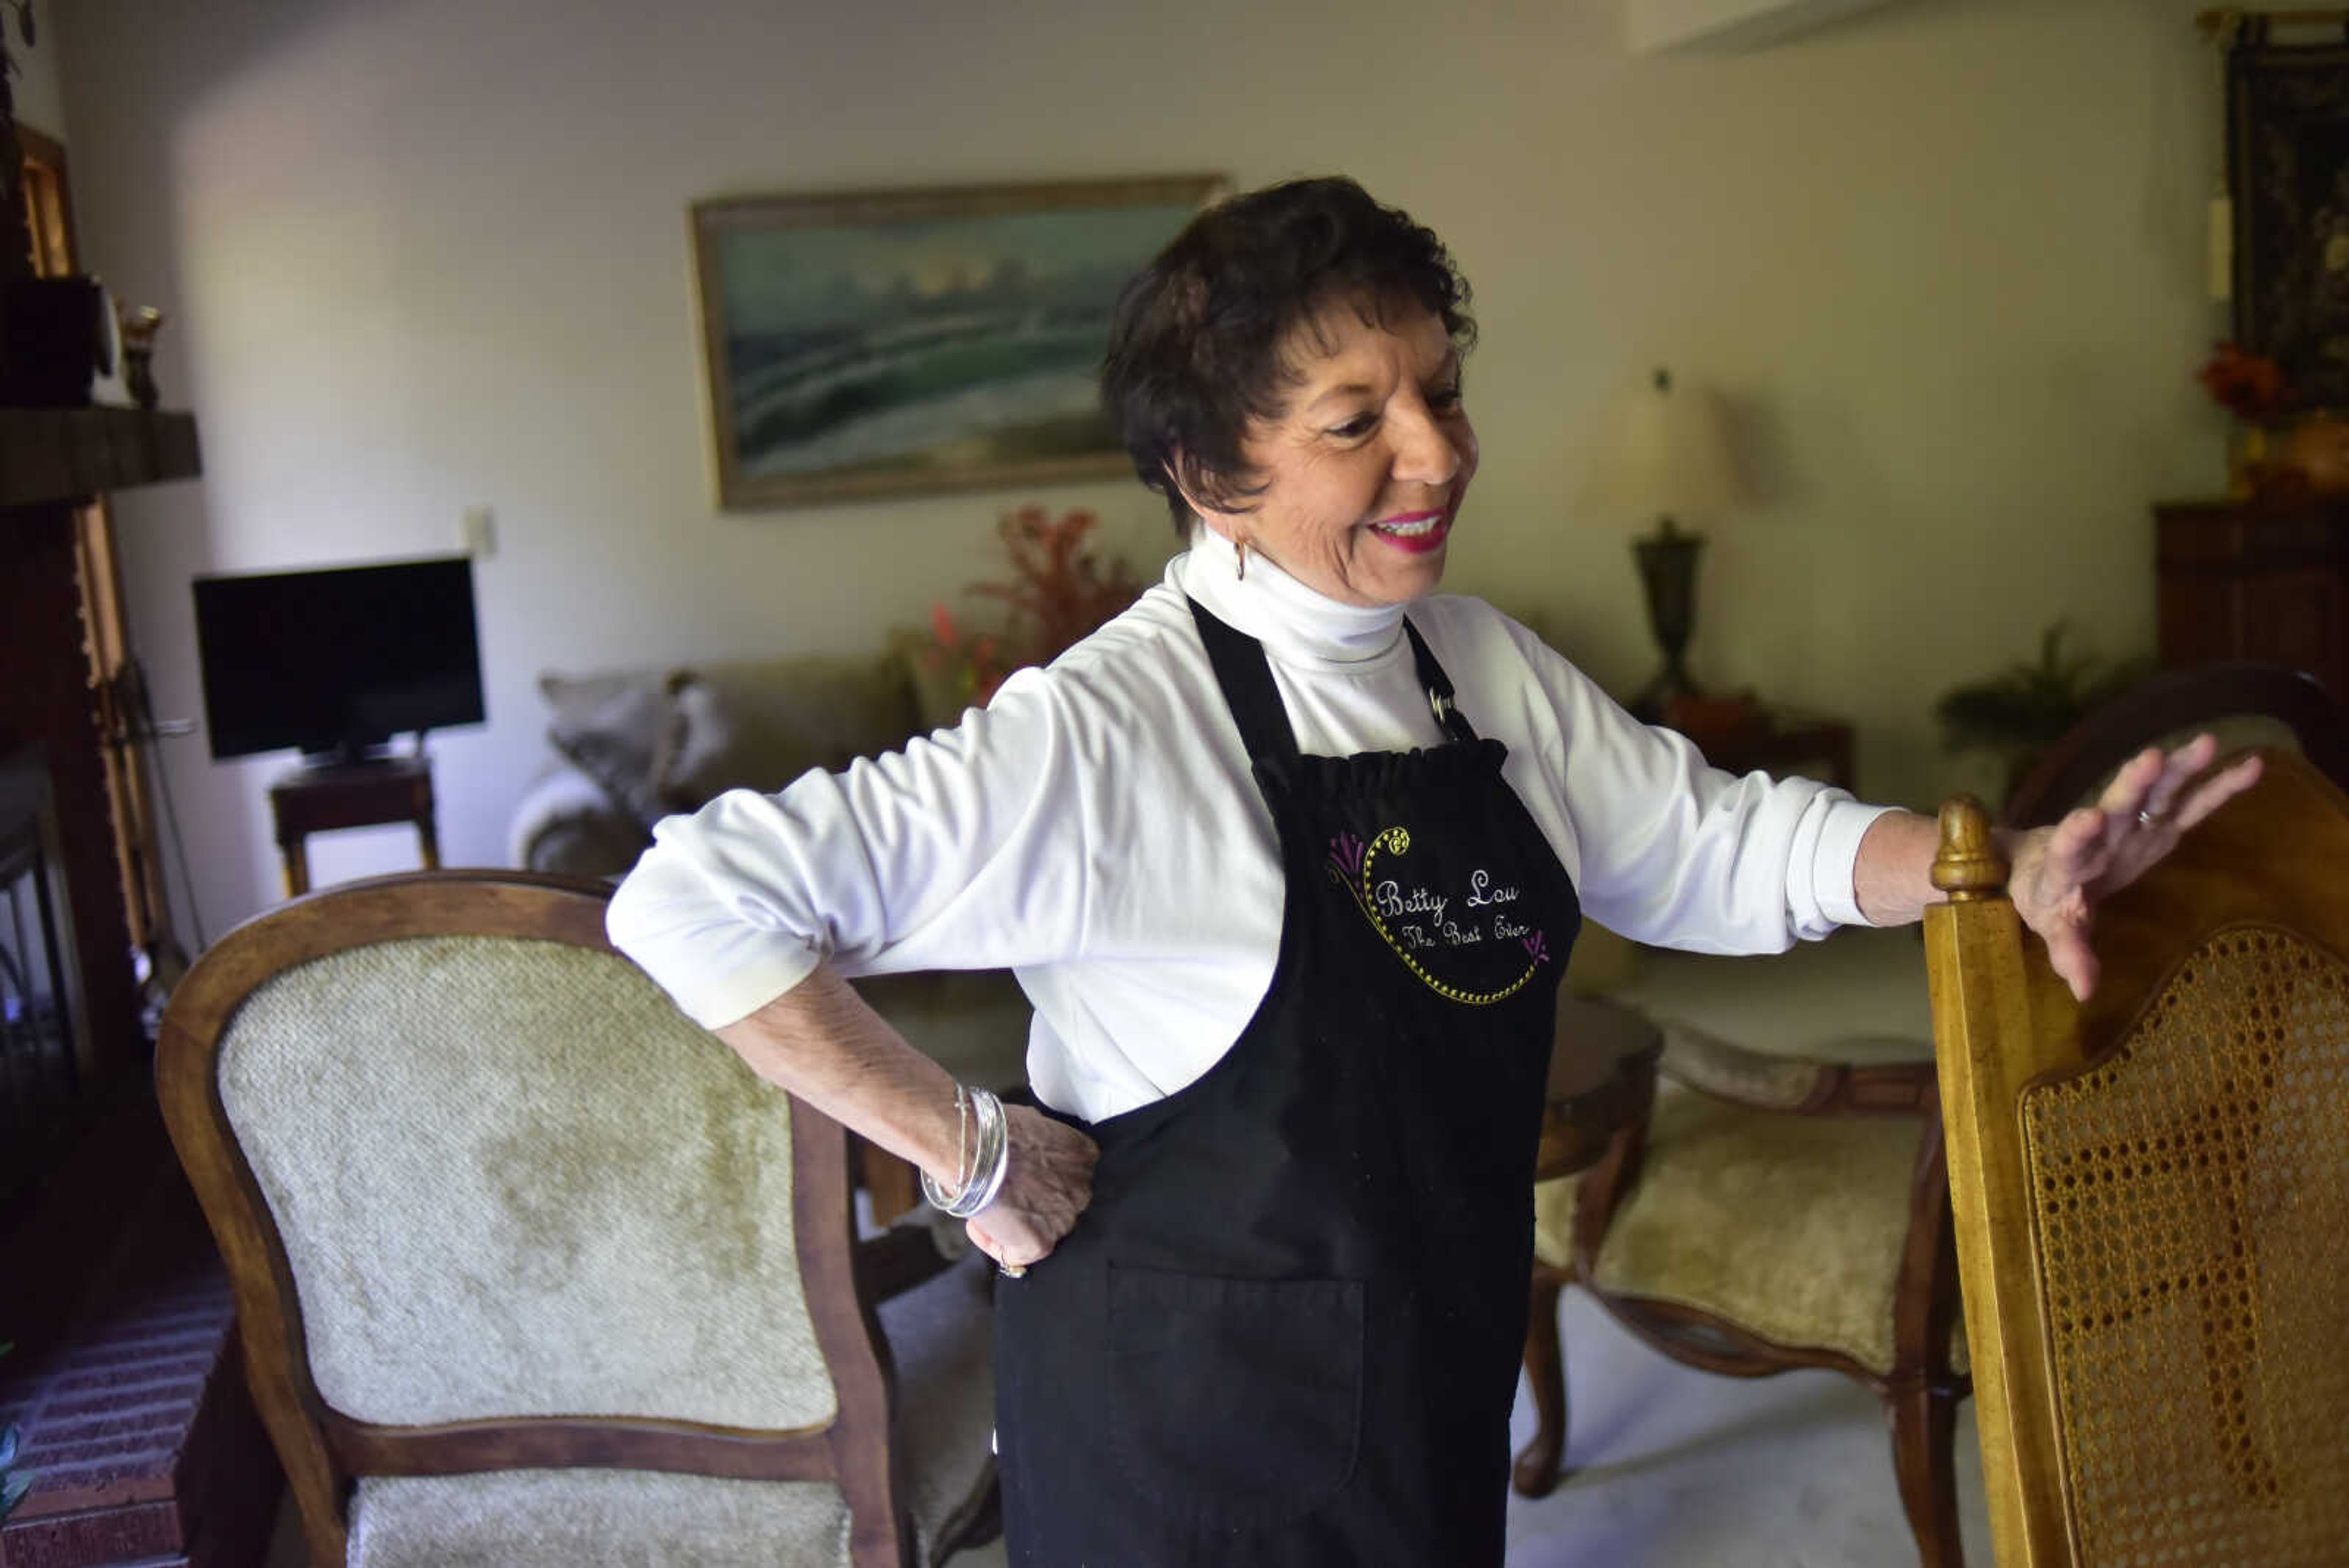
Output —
<point x="1666" y="561"/>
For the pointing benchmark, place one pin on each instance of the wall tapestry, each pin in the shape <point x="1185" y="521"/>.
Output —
<point x="2287" y="173"/>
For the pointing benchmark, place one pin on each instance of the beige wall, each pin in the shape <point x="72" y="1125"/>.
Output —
<point x="423" y="254"/>
<point x="38" y="96"/>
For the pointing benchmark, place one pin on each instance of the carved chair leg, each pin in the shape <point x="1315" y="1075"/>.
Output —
<point x="1536" y="1473"/>
<point x="1924" y="1433"/>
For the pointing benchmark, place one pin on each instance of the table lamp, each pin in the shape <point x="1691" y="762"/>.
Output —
<point x="1671" y="462"/>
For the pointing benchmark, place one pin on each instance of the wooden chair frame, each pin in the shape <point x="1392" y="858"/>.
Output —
<point x="324" y="1451"/>
<point x="2005" y="1025"/>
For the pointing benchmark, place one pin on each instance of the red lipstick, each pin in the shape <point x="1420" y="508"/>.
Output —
<point x="1414" y="533"/>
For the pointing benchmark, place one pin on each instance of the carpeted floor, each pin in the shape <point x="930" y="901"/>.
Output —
<point x="1670" y="1465"/>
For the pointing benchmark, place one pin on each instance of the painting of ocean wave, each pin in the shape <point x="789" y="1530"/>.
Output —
<point x="901" y="342"/>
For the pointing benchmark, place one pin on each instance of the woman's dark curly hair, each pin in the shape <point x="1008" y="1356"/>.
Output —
<point x="1194" y="349"/>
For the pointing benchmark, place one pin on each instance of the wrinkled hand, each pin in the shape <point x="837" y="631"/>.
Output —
<point x="2061" y="873"/>
<point x="1049" y="1183"/>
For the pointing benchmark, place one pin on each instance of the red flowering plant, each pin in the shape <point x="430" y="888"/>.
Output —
<point x="1057" y="593"/>
<point x="2252" y="387"/>
<point x="974" y="662"/>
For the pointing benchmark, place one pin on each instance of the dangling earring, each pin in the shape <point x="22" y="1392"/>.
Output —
<point x="1241" y="546"/>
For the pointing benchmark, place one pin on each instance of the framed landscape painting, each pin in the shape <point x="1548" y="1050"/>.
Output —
<point x="895" y="342"/>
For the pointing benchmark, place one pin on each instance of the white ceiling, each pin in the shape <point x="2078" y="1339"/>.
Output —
<point x="1725" y="26"/>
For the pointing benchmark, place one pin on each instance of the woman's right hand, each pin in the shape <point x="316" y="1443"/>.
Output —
<point x="1048" y="1183"/>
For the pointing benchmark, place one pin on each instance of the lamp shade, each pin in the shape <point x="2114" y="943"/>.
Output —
<point x="1667" y="456"/>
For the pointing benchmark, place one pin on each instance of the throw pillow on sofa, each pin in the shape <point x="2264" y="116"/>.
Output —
<point x="621" y="730"/>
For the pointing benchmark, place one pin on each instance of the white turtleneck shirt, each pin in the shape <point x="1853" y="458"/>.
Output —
<point x="1095" y="830"/>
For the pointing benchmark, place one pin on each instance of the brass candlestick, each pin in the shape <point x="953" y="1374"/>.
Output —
<point x="138" y="328"/>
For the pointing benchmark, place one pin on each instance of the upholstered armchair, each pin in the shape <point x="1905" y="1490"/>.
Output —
<point x="1773" y="1213"/>
<point x="531" y="1270"/>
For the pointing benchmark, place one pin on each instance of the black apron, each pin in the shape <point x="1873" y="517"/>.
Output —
<point x="1286" y="1333"/>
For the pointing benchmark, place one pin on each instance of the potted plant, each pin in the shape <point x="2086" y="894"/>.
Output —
<point x="1058" y="592"/>
<point x="2022" y="710"/>
<point x="2277" y="445"/>
<point x="2250" y="387"/>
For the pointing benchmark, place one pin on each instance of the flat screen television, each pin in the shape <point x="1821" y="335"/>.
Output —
<point x="336" y="662"/>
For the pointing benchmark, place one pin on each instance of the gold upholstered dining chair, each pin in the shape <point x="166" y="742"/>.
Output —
<point x="1766" y="1213"/>
<point x="2152" y="1195"/>
<point x="531" y="1270"/>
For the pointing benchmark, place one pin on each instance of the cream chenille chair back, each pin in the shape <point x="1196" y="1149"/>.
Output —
<point x="532" y="1270"/>
<point x="2151" y="1194"/>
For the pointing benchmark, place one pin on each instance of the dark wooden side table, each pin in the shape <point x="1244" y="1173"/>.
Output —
<point x="2265" y="578"/>
<point x="1779" y="742"/>
<point x="322" y="800"/>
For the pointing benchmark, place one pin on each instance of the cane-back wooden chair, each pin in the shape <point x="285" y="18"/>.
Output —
<point x="1771" y="1212"/>
<point x="2151" y="1193"/>
<point x="531" y="1270"/>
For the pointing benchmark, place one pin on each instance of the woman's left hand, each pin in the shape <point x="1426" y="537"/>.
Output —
<point x="2061" y="873"/>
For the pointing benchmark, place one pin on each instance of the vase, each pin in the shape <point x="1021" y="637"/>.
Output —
<point x="2249" y="461"/>
<point x="2316" y="454"/>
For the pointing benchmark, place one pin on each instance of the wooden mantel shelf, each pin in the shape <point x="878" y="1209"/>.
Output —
<point x="49" y="456"/>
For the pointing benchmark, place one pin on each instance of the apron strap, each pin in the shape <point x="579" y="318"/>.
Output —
<point x="1246" y="680"/>
<point x="1242" y="671"/>
<point x="1439" y="687"/>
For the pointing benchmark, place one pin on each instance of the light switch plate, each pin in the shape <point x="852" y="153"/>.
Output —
<point x="479" y="533"/>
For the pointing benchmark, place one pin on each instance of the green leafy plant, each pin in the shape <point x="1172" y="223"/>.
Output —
<point x="2019" y="712"/>
<point x="14" y="1483"/>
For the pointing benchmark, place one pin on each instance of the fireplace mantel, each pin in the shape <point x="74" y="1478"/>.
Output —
<point x="53" y="462"/>
<point x="65" y="456"/>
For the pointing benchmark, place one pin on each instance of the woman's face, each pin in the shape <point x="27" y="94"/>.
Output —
<point x="1364" y="467"/>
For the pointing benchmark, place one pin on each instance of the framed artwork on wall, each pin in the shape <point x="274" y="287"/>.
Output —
<point x="896" y="342"/>
<point x="2288" y="174"/>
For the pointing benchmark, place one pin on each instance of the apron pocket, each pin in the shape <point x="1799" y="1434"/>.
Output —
<point x="1234" y="1402"/>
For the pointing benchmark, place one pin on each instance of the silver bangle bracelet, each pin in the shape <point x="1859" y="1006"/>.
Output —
<point x="982" y="1156"/>
<point x="998" y="1164"/>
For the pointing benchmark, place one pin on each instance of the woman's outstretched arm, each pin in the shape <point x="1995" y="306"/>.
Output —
<point x="2061" y="873"/>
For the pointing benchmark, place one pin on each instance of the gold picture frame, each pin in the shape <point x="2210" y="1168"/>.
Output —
<point x="890" y="343"/>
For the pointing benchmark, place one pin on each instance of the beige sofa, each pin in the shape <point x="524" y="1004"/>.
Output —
<point x="634" y="746"/>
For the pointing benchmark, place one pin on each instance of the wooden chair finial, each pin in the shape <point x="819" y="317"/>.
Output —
<point x="1968" y="866"/>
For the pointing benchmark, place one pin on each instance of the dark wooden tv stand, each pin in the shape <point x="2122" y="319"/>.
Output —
<point x="365" y="795"/>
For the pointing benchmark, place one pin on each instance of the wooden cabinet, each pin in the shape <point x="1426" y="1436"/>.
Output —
<point x="2265" y="579"/>
<point x="1779" y="742"/>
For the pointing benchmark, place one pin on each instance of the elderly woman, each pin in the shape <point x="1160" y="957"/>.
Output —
<point x="1288" y="857"/>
